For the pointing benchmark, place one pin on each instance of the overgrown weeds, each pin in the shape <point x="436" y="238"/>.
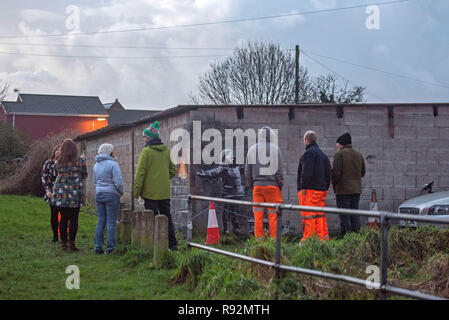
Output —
<point x="27" y="177"/>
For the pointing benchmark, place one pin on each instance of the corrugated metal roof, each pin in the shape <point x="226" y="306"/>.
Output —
<point x="55" y="104"/>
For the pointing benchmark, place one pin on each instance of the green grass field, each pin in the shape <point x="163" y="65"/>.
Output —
<point x="32" y="267"/>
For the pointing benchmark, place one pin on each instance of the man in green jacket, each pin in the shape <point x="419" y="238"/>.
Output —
<point x="348" y="169"/>
<point x="152" y="180"/>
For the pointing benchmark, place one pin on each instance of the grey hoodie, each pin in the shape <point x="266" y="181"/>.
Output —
<point x="263" y="165"/>
<point x="107" y="175"/>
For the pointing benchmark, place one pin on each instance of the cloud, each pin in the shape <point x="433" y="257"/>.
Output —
<point x="382" y="50"/>
<point x="161" y="83"/>
<point x="37" y="15"/>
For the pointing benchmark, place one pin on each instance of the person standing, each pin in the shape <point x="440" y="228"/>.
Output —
<point x="68" y="193"/>
<point x="48" y="181"/>
<point x="263" y="172"/>
<point x="313" y="181"/>
<point x="348" y="168"/>
<point x="108" y="190"/>
<point x="152" y="178"/>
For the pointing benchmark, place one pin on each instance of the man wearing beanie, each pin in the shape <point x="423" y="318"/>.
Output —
<point x="348" y="169"/>
<point x="152" y="179"/>
<point x="314" y="179"/>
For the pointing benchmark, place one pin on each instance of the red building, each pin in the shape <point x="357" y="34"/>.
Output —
<point x="38" y="115"/>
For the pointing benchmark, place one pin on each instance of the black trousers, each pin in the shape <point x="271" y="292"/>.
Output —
<point x="54" y="220"/>
<point x="348" y="223"/>
<point x="69" y="216"/>
<point x="163" y="207"/>
<point x="230" y="212"/>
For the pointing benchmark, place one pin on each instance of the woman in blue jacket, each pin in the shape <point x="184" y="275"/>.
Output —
<point x="109" y="188"/>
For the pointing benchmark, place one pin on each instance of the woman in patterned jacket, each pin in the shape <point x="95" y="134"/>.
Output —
<point x="48" y="180"/>
<point x="68" y="191"/>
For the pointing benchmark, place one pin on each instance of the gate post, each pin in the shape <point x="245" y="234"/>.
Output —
<point x="136" y="229"/>
<point x="278" y="245"/>
<point x="147" y="239"/>
<point x="160" y="237"/>
<point x="384" y="226"/>
<point x="189" y="224"/>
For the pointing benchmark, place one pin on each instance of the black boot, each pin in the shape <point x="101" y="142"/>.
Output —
<point x="63" y="246"/>
<point x="72" y="246"/>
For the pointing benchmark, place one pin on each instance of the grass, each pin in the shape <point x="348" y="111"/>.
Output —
<point x="32" y="267"/>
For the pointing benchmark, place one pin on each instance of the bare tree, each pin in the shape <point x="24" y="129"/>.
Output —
<point x="325" y="89"/>
<point x="262" y="73"/>
<point x="257" y="73"/>
<point x="4" y="87"/>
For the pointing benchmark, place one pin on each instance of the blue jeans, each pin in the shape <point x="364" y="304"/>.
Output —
<point x="348" y="223"/>
<point x="108" y="205"/>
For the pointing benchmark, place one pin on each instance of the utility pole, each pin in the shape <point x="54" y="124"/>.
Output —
<point x="297" y="75"/>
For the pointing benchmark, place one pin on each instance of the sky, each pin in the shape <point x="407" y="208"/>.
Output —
<point x="410" y="40"/>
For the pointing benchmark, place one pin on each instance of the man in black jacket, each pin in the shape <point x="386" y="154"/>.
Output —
<point x="314" y="177"/>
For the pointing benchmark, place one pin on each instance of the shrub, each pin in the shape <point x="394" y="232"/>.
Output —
<point x="13" y="143"/>
<point x="27" y="178"/>
<point x="13" y="146"/>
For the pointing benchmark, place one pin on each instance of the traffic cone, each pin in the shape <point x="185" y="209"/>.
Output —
<point x="372" y="221"/>
<point x="213" y="232"/>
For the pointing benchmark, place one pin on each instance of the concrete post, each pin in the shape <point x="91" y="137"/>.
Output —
<point x="160" y="237"/>
<point x="124" y="227"/>
<point x="136" y="228"/>
<point x="147" y="239"/>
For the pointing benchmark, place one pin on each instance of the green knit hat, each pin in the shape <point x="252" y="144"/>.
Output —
<point x="152" y="131"/>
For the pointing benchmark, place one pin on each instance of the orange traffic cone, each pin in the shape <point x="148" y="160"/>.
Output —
<point x="372" y="221"/>
<point x="213" y="232"/>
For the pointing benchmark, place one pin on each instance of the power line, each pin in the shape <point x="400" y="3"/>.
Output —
<point x="339" y="75"/>
<point x="207" y="23"/>
<point x="111" y="57"/>
<point x="112" y="46"/>
<point x="378" y="70"/>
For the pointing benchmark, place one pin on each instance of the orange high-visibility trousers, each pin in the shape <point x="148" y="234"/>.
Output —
<point x="270" y="194"/>
<point x="313" y="222"/>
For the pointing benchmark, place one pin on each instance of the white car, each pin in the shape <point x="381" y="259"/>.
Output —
<point x="431" y="204"/>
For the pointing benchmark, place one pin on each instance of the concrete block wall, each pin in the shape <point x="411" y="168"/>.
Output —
<point x="121" y="140"/>
<point x="397" y="167"/>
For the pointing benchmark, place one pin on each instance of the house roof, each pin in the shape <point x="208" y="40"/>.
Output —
<point x="116" y="105"/>
<point x="44" y="104"/>
<point x="124" y="116"/>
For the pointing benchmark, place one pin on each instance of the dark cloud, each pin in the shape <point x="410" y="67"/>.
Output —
<point x="411" y="41"/>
